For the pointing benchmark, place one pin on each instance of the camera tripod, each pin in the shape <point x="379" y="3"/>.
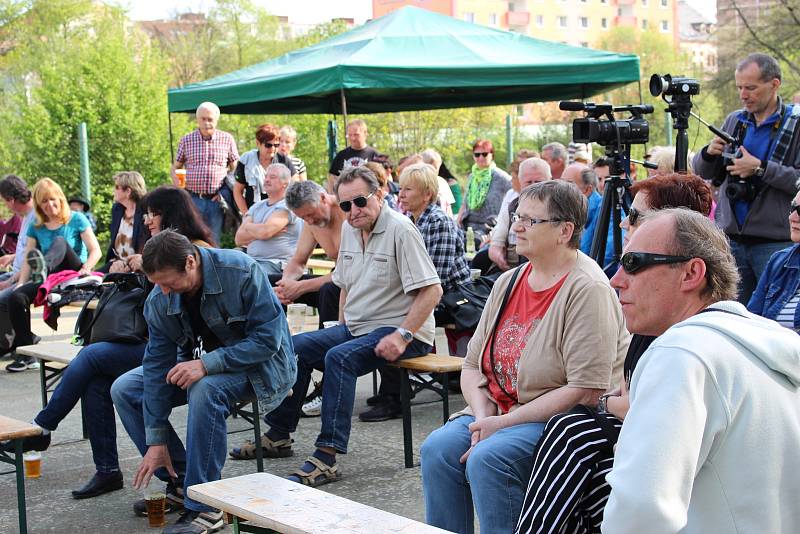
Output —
<point x="616" y="201"/>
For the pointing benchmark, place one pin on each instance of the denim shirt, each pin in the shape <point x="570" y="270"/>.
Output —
<point x="241" y="309"/>
<point x="777" y="284"/>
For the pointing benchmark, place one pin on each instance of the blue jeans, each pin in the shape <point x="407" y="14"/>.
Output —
<point x="751" y="260"/>
<point x="343" y="358"/>
<point x="89" y="377"/>
<point x="212" y="214"/>
<point x="494" y="478"/>
<point x="210" y="400"/>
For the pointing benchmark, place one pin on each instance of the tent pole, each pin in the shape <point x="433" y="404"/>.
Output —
<point x="171" y="149"/>
<point x="344" y="108"/>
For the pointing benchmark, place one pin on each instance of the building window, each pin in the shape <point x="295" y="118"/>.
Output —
<point x="604" y="23"/>
<point x="562" y="21"/>
<point x="644" y="3"/>
<point x="664" y="3"/>
<point x="493" y="19"/>
<point x="584" y="44"/>
<point x="469" y="17"/>
<point x="603" y="1"/>
<point x="664" y="25"/>
<point x="583" y="21"/>
<point x="584" y="1"/>
<point x="540" y="21"/>
<point x="644" y="24"/>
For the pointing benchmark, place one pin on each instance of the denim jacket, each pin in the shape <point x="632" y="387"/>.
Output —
<point x="241" y="309"/>
<point x="777" y="284"/>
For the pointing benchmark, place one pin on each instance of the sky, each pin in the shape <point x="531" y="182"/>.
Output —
<point x="300" y="11"/>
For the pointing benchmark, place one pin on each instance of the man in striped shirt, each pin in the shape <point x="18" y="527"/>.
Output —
<point x="208" y="155"/>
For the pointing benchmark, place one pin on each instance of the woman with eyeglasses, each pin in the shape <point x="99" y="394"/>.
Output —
<point x="249" y="174"/>
<point x="168" y="206"/>
<point x="551" y="335"/>
<point x="567" y="490"/>
<point x="778" y="291"/>
<point x="486" y="187"/>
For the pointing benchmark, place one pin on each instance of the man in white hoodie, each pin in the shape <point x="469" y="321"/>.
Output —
<point x="711" y="441"/>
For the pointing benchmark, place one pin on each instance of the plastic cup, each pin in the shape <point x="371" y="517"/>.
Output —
<point x="330" y="324"/>
<point x="33" y="464"/>
<point x="181" y="174"/>
<point x="475" y="274"/>
<point x="296" y="316"/>
<point x="155" y="501"/>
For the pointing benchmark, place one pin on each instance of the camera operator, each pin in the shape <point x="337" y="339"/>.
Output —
<point x="757" y="175"/>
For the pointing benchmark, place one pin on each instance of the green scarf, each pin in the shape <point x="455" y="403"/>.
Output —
<point x="479" y="186"/>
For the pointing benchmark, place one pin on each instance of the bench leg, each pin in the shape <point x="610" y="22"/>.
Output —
<point x="257" y="439"/>
<point x="374" y="382"/>
<point x="43" y="382"/>
<point x="405" y="402"/>
<point x="21" y="510"/>
<point x="445" y="397"/>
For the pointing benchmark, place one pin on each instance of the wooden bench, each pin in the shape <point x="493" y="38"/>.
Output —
<point x="60" y="353"/>
<point x="413" y="380"/>
<point x="272" y="504"/>
<point x="16" y="431"/>
<point x="320" y="266"/>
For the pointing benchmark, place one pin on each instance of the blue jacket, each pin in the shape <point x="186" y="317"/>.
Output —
<point x="240" y="308"/>
<point x="777" y="284"/>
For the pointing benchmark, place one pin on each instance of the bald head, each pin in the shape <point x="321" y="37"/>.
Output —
<point x="573" y="174"/>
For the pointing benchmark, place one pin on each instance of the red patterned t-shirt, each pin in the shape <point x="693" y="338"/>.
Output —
<point x="523" y="311"/>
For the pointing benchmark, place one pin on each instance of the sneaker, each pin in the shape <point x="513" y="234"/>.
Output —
<point x="173" y="504"/>
<point x="22" y="364"/>
<point x="38" y="266"/>
<point x="312" y="407"/>
<point x="191" y="522"/>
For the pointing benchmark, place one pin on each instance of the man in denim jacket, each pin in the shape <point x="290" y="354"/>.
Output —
<point x="218" y="336"/>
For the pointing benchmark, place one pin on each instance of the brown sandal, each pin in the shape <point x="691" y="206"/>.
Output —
<point x="322" y="473"/>
<point x="271" y="449"/>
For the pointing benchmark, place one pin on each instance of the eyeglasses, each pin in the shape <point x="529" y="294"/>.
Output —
<point x="633" y="262"/>
<point x="633" y="216"/>
<point x="149" y="216"/>
<point x="360" y="202"/>
<point x="794" y="208"/>
<point x="480" y="154"/>
<point x="531" y="221"/>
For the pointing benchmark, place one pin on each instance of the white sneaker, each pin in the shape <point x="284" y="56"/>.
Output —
<point x="313" y="408"/>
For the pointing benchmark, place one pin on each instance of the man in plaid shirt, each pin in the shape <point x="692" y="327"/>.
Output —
<point x="208" y="155"/>
<point x="419" y="190"/>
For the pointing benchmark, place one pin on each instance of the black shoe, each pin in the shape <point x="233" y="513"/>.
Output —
<point x="173" y="503"/>
<point x="22" y="363"/>
<point x="382" y="412"/>
<point x="375" y="400"/>
<point x="99" y="484"/>
<point x="32" y="443"/>
<point x="191" y="522"/>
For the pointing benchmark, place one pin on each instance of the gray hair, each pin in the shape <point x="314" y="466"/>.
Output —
<point x="589" y="177"/>
<point x="535" y="163"/>
<point x="212" y="107"/>
<point x="564" y="202"/>
<point x="697" y="236"/>
<point x="354" y="173"/>
<point x="431" y="157"/>
<point x="557" y="151"/>
<point x="769" y="67"/>
<point x="288" y="131"/>
<point x="301" y="193"/>
<point x="284" y="174"/>
<point x="167" y="249"/>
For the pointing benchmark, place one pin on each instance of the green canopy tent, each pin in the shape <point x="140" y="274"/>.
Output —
<point x="412" y="59"/>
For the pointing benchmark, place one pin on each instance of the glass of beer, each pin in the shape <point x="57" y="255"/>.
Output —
<point x="296" y="316"/>
<point x="181" y="174"/>
<point x="33" y="464"/>
<point x="155" y="501"/>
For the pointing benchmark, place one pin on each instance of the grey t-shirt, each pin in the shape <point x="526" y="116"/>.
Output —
<point x="280" y="246"/>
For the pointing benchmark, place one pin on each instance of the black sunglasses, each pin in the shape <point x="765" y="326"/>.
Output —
<point x="633" y="262"/>
<point x="481" y="154"/>
<point x="273" y="145"/>
<point x="633" y="216"/>
<point x="794" y="208"/>
<point x="360" y="202"/>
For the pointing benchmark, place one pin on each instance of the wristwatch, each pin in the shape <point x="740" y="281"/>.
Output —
<point x="602" y="404"/>
<point x="761" y="169"/>
<point x="407" y="336"/>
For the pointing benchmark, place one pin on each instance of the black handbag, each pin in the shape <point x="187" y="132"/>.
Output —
<point x="119" y="314"/>
<point x="465" y="303"/>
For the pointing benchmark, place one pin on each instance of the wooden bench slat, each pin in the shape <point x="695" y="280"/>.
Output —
<point x="14" y="429"/>
<point x="432" y="363"/>
<point x="274" y="502"/>
<point x="53" y="351"/>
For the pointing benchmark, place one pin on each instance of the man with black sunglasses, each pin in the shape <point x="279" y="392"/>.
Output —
<point x="389" y="288"/>
<point x="709" y="443"/>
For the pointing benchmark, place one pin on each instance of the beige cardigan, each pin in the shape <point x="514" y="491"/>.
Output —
<point x="581" y="341"/>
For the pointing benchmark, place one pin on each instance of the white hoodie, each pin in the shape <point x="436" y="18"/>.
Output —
<point x="711" y="443"/>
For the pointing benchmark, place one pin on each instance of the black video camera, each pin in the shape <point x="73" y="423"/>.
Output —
<point x="678" y="86"/>
<point x="605" y="132"/>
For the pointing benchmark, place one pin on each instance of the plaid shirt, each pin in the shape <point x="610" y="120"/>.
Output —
<point x="206" y="160"/>
<point x="445" y="246"/>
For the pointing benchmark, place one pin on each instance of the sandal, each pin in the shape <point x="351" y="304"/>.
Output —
<point x="271" y="449"/>
<point x="322" y="473"/>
